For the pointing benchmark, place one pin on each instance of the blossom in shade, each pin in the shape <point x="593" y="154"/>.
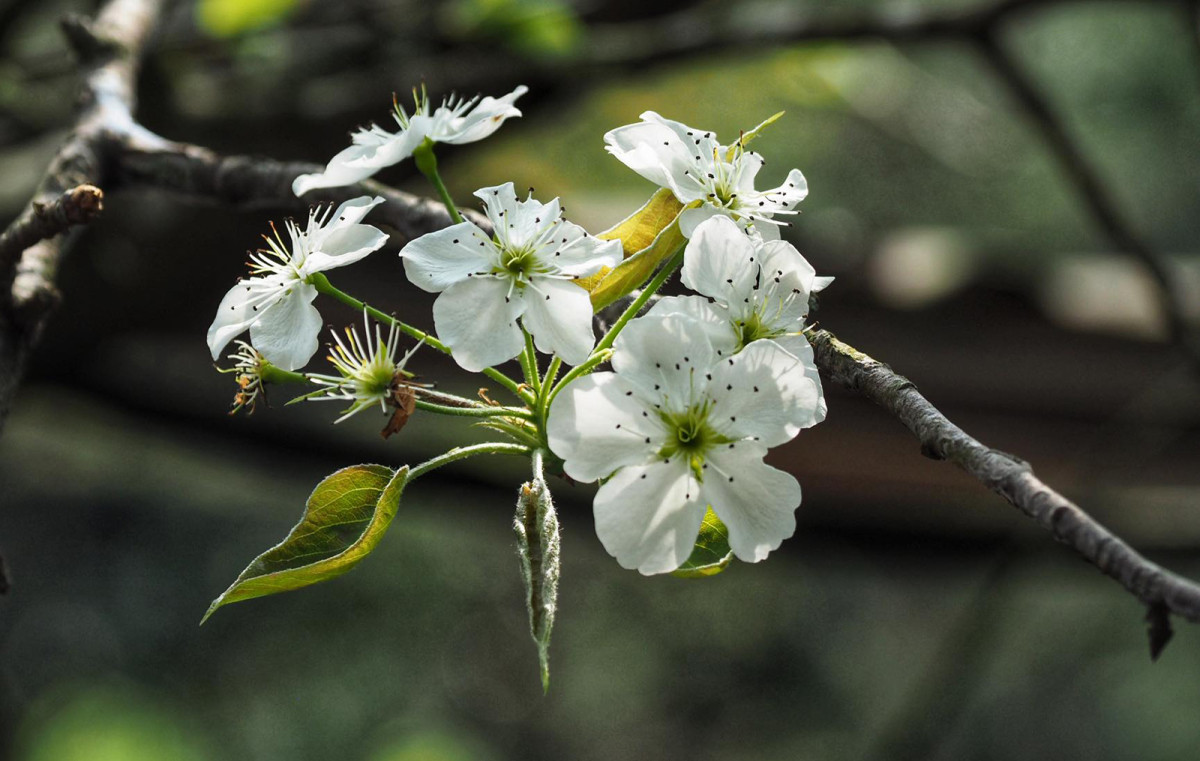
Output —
<point x="457" y="120"/>
<point x="248" y="366"/>
<point x="275" y="303"/>
<point x="368" y="370"/>
<point x="677" y="427"/>
<point x="697" y="168"/>
<point x="523" y="271"/>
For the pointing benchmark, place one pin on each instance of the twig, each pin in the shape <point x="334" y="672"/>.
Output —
<point x="1159" y="590"/>
<point x="256" y="182"/>
<point x="39" y="222"/>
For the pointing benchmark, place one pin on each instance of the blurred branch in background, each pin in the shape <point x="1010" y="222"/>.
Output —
<point x="694" y="33"/>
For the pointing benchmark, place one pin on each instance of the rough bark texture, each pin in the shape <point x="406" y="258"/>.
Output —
<point x="1012" y="478"/>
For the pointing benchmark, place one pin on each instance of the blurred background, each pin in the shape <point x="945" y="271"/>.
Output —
<point x="914" y="614"/>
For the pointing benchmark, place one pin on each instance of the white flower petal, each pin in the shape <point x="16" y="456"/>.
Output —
<point x="648" y="516"/>
<point x="791" y="192"/>
<point x="660" y="150"/>
<point x="820" y="283"/>
<point x="352" y="212"/>
<point x="498" y="201"/>
<point x="478" y="321"/>
<point x="799" y="347"/>
<point x="661" y="355"/>
<point x="286" y="333"/>
<point x="484" y="119"/>
<point x="559" y="315"/>
<point x="755" y="501"/>
<point x="573" y="252"/>
<point x="711" y="318"/>
<point x="338" y="171"/>
<point x="241" y="306"/>
<point x="437" y="260"/>
<point x="598" y="424"/>
<point x="786" y="282"/>
<point x="719" y="261"/>
<point x="394" y="149"/>
<point x="690" y="219"/>
<point x="343" y="246"/>
<point x="749" y="165"/>
<point x="764" y="393"/>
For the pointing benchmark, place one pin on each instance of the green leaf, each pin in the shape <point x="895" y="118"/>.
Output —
<point x="538" y="548"/>
<point x="649" y="237"/>
<point x="344" y="519"/>
<point x="748" y="136"/>
<point x="711" y="555"/>
<point x="638" y="231"/>
<point x="228" y="18"/>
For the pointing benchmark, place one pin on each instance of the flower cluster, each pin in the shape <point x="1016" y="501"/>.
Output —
<point x="699" y="387"/>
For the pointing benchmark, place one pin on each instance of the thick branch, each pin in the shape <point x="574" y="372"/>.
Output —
<point x="1160" y="590"/>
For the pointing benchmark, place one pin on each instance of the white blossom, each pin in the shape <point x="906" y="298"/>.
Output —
<point x="367" y="370"/>
<point x="759" y="290"/>
<point x="677" y="427"/>
<point x="696" y="167"/>
<point x="276" y="302"/>
<point x="522" y="272"/>
<point x="456" y="121"/>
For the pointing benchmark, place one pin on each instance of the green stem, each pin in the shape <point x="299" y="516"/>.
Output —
<point x="322" y="284"/>
<point x="427" y="164"/>
<point x="462" y="453"/>
<point x="631" y="312"/>
<point x="272" y="374"/>
<point x="597" y="358"/>
<point x="529" y="364"/>
<point x="481" y="411"/>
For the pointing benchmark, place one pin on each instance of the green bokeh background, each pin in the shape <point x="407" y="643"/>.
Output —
<point x="913" y="615"/>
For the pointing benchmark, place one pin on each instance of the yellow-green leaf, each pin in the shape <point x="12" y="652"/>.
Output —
<point x="748" y="136"/>
<point x="711" y="555"/>
<point x="638" y="230"/>
<point x="638" y="268"/>
<point x="344" y="519"/>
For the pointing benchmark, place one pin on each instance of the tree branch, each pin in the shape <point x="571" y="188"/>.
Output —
<point x="1091" y="192"/>
<point x="109" y="50"/>
<point x="257" y="182"/>
<point x="1161" y="591"/>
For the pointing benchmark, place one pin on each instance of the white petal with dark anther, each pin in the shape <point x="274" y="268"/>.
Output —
<point x="791" y="192"/>
<point x="559" y="315"/>
<point x="719" y="261"/>
<point x="437" y="260"/>
<point x="242" y="305"/>
<point x="395" y="148"/>
<point x="648" y="516"/>
<point x="571" y="251"/>
<point x="763" y="393"/>
<point x="661" y="355"/>
<point x="498" y="202"/>
<point x="477" y="319"/>
<point x="286" y="333"/>
<point x="756" y="502"/>
<point x="598" y="424"/>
